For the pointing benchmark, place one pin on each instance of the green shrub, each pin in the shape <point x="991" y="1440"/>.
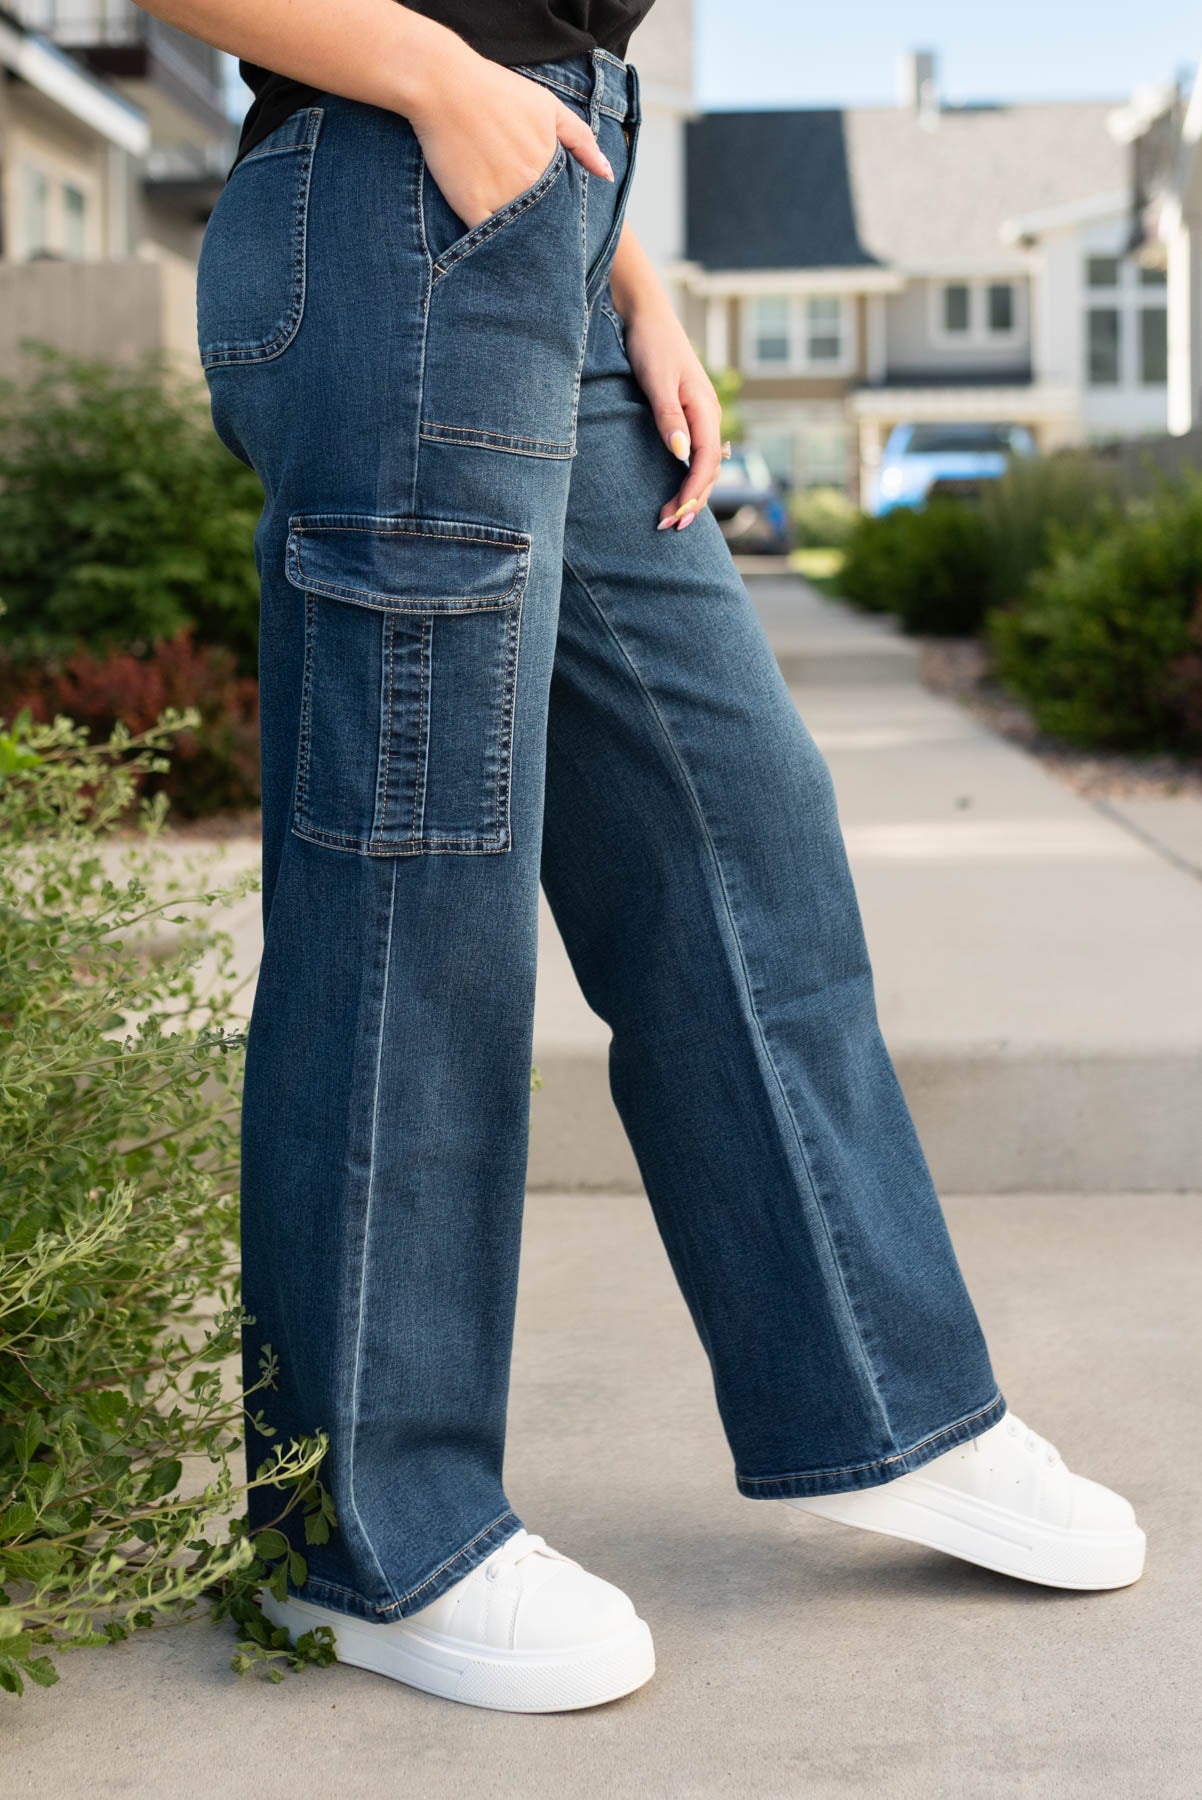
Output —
<point x="1040" y="503"/>
<point x="930" y="567"/>
<point x="119" y="1069"/>
<point x="1105" y="643"/>
<point x="822" y="516"/>
<point x="123" y="518"/>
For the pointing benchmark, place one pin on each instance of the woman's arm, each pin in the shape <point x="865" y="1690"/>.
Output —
<point x="669" y="371"/>
<point x="486" y="133"/>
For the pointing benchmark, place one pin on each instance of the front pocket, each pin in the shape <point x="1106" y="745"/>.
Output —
<point x="250" y="280"/>
<point x="411" y="652"/>
<point x="440" y="222"/>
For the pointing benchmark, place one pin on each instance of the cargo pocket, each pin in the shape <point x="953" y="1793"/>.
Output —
<point x="411" y="651"/>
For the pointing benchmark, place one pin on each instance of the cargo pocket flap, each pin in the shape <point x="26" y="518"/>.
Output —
<point x="399" y="564"/>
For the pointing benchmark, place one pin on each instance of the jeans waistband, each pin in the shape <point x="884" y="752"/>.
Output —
<point x="592" y="74"/>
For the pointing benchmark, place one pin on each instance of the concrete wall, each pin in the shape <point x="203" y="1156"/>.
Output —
<point x="113" y="311"/>
<point x="662" y="52"/>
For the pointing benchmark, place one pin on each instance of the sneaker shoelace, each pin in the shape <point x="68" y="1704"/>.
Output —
<point x="516" y="1550"/>
<point x="1032" y="1442"/>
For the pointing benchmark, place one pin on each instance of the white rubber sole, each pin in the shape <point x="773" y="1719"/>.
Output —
<point x="978" y="1532"/>
<point x="534" y="1681"/>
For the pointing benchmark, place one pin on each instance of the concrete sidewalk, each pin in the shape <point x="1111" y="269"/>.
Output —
<point x="1038" y="956"/>
<point x="797" y="1660"/>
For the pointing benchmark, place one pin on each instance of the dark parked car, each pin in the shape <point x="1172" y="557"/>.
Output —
<point x="749" y="506"/>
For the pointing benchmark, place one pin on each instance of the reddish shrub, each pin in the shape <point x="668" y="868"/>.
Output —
<point x="212" y="769"/>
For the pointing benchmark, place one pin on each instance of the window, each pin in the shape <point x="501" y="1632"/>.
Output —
<point x="1126" y="338"/>
<point x="1102" y="271"/>
<point x="1104" y="341"/>
<point x="1000" y="315"/>
<point x="35" y="210"/>
<point x="796" y="334"/>
<point x="824" y="330"/>
<point x="771" y="344"/>
<point x="975" y="312"/>
<point x="1153" y="345"/>
<point x="957" y="298"/>
<point x="75" y="220"/>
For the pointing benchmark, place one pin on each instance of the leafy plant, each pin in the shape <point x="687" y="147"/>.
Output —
<point x="822" y="516"/>
<point x="123" y="518"/>
<point x="119" y="1064"/>
<point x="1039" y="505"/>
<point x="1104" y="644"/>
<point x="210" y="769"/>
<point x="930" y="567"/>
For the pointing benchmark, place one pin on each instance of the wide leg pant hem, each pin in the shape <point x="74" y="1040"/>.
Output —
<point x="453" y="1569"/>
<point x="873" y="1474"/>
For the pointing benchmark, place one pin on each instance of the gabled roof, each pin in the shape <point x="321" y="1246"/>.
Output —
<point x="877" y="185"/>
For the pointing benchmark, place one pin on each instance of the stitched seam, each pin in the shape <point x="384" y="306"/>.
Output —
<point x="265" y="349"/>
<point x="450" y="1562"/>
<point x="748" y="992"/>
<point x="511" y="437"/>
<point x="306" y="726"/>
<point x="371" y="1188"/>
<point x="505" y="742"/>
<point x="882" y="1462"/>
<point x="472" y="439"/>
<point x="394" y="603"/>
<point x="487" y="228"/>
<point x="430" y="845"/>
<point x="453" y="537"/>
<point x="389" y="621"/>
<point x="423" y="722"/>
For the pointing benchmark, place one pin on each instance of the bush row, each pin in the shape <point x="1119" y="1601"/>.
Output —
<point x="1090" y="600"/>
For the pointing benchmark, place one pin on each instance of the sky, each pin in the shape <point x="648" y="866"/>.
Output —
<point x="782" y="53"/>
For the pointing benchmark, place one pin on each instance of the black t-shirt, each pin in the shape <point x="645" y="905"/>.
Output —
<point x="521" y="31"/>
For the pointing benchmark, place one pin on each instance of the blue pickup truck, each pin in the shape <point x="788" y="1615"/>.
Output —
<point x="920" y="462"/>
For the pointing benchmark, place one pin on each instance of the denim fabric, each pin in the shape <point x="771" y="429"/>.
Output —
<point x="482" y="664"/>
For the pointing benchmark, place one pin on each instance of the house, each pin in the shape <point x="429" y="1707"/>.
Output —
<point x="1167" y="233"/>
<point x="867" y="266"/>
<point x="114" y="142"/>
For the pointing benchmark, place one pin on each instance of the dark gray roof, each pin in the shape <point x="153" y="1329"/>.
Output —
<point x="821" y="189"/>
<point x="770" y="190"/>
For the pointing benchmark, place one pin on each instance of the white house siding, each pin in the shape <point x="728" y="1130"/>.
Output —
<point x="662" y="52"/>
<point x="1130" y="407"/>
<point x="911" y="343"/>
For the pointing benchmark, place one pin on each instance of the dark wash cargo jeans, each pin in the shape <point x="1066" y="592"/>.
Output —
<point x="482" y="664"/>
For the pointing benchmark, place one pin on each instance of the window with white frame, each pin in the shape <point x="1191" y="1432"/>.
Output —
<point x="1126" y="324"/>
<point x="75" y="220"/>
<point x="35" y="209"/>
<point x="797" y="334"/>
<point x="974" y="312"/>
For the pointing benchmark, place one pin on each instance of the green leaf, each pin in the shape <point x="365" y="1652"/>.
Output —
<point x="270" y="1544"/>
<point x="298" y="1569"/>
<point x="317" y="1530"/>
<point x="162" y="1479"/>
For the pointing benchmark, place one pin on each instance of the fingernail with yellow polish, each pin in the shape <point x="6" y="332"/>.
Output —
<point x="678" y="443"/>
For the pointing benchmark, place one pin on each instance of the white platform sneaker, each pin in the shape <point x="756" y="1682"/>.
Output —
<point x="1006" y="1501"/>
<point x="528" y="1630"/>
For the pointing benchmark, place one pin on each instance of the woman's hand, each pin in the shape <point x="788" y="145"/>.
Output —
<point x="670" y="373"/>
<point x="487" y="134"/>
